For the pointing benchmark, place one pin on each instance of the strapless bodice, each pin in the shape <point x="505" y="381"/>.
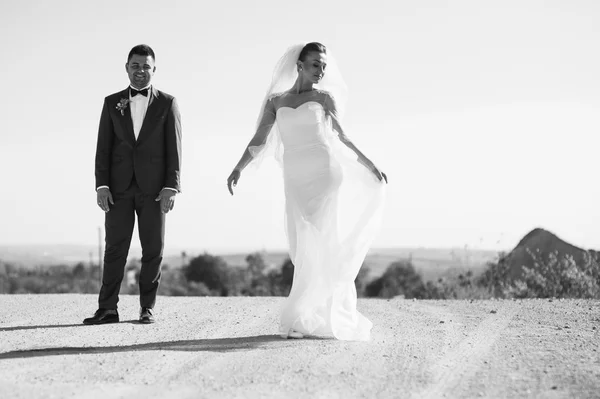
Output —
<point x="302" y="127"/>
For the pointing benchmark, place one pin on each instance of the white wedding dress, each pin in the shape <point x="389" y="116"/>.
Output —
<point x="333" y="212"/>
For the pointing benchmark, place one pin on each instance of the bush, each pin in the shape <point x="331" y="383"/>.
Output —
<point x="49" y="280"/>
<point x="256" y="281"/>
<point x="400" y="278"/>
<point x="361" y="280"/>
<point x="174" y="283"/>
<point x="550" y="277"/>
<point x="209" y="270"/>
<point x="558" y="277"/>
<point x="463" y="286"/>
<point x="280" y="280"/>
<point x="496" y="277"/>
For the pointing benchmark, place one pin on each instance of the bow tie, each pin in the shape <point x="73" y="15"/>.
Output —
<point x="133" y="92"/>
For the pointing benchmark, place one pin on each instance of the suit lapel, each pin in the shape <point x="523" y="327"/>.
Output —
<point x="126" y="123"/>
<point x="151" y="113"/>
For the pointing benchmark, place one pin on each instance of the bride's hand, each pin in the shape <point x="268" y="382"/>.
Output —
<point x="232" y="180"/>
<point x="379" y="174"/>
<point x="384" y="177"/>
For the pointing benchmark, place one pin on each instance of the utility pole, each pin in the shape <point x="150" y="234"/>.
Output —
<point x="100" y="253"/>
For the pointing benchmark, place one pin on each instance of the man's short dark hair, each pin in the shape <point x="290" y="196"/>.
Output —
<point x="141" y="49"/>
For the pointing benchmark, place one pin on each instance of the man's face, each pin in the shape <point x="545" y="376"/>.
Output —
<point x="140" y="69"/>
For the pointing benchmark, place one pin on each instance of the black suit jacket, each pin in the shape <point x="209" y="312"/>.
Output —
<point x="154" y="158"/>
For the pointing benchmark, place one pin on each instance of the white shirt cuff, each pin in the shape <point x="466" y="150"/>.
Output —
<point x="164" y="188"/>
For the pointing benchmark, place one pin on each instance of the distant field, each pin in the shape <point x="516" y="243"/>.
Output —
<point x="432" y="263"/>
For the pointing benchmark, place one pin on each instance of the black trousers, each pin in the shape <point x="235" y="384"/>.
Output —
<point x="119" y="223"/>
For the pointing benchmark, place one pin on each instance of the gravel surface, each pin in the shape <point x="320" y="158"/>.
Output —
<point x="213" y="347"/>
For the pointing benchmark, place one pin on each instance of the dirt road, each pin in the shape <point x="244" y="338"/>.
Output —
<point x="229" y="348"/>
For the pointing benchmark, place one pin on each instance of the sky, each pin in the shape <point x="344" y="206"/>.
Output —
<point x="484" y="114"/>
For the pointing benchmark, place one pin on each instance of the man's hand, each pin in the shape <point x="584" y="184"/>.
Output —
<point x="167" y="200"/>
<point x="103" y="197"/>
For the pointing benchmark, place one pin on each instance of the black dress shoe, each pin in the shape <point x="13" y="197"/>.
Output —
<point x="146" y="316"/>
<point x="103" y="316"/>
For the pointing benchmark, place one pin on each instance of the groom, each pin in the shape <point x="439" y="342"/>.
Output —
<point x="138" y="160"/>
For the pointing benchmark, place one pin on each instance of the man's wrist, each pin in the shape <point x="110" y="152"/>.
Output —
<point x="101" y="187"/>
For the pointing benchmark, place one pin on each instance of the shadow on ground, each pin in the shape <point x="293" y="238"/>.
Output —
<point x="213" y="345"/>
<point x="22" y="328"/>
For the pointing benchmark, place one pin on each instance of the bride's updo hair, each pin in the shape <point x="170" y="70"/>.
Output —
<point x="310" y="47"/>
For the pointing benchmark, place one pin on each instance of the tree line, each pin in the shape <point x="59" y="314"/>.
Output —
<point x="209" y="275"/>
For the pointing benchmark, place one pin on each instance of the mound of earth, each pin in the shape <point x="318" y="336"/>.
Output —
<point x="541" y="244"/>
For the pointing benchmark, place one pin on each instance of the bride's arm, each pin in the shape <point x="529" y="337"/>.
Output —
<point x="362" y="158"/>
<point x="258" y="140"/>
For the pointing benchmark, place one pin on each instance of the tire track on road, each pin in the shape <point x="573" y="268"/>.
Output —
<point x="464" y="360"/>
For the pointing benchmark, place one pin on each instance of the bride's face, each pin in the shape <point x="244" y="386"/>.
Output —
<point x="313" y="67"/>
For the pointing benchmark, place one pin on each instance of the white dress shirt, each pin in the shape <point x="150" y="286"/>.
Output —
<point x="139" y="106"/>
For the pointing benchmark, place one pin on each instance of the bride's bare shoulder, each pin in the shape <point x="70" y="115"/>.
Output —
<point x="275" y="96"/>
<point x="326" y="99"/>
<point x="324" y="94"/>
<point x="274" y="99"/>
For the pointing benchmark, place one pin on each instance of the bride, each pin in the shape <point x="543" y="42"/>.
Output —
<point x="334" y="194"/>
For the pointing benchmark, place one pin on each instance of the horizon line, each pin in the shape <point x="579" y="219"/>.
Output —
<point x="233" y="251"/>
